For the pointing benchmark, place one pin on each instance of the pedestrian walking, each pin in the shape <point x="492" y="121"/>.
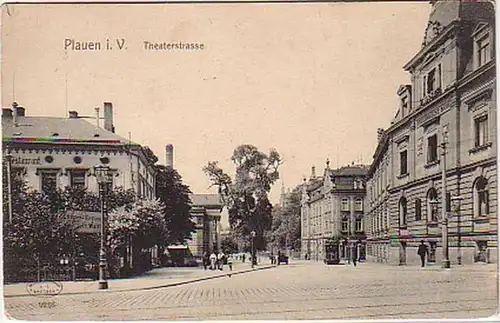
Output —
<point x="243" y="258"/>
<point x="213" y="261"/>
<point x="220" y="260"/>
<point x="205" y="260"/>
<point x="354" y="254"/>
<point x="422" y="252"/>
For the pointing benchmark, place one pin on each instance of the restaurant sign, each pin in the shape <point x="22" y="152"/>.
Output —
<point x="85" y="221"/>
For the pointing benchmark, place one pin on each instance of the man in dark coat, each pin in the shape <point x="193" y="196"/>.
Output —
<point x="422" y="252"/>
<point x="354" y="253"/>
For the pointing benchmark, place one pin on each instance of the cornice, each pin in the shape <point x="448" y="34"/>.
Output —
<point x="449" y="172"/>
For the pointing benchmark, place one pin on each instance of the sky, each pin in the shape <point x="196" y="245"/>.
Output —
<point x="313" y="81"/>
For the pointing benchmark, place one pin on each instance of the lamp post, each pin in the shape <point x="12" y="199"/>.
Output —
<point x="254" y="262"/>
<point x="456" y="201"/>
<point x="8" y="159"/>
<point x="103" y="177"/>
<point x="434" y="208"/>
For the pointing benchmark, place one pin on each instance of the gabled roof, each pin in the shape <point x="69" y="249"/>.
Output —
<point x="60" y="130"/>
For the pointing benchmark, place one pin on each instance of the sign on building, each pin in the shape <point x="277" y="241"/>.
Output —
<point x="86" y="221"/>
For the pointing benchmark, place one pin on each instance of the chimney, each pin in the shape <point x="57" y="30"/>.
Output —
<point x="6" y="113"/>
<point x="108" y="117"/>
<point x="380" y="133"/>
<point x="97" y="116"/>
<point x="313" y="172"/>
<point x="73" y="114"/>
<point x="14" y="114"/>
<point x="169" y="156"/>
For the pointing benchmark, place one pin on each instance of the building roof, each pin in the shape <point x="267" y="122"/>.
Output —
<point x="205" y="199"/>
<point x="60" y="130"/>
<point x="354" y="170"/>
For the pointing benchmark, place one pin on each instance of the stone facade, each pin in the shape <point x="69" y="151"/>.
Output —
<point x="206" y="214"/>
<point x="446" y="119"/>
<point x="332" y="205"/>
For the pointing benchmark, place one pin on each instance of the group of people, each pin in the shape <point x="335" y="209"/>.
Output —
<point x="215" y="260"/>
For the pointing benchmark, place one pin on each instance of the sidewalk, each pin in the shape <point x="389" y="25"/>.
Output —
<point x="156" y="278"/>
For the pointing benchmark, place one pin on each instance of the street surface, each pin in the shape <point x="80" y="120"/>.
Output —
<point x="301" y="290"/>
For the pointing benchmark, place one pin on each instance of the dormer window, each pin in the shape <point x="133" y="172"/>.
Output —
<point x="483" y="50"/>
<point x="432" y="82"/>
<point x="482" y="45"/>
<point x="404" y="107"/>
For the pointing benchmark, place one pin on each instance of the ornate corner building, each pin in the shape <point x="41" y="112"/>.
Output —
<point x="332" y="205"/>
<point x="445" y="125"/>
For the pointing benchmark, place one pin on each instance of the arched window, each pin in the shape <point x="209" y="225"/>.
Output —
<point x="432" y="209"/>
<point x="402" y="212"/>
<point x="481" y="199"/>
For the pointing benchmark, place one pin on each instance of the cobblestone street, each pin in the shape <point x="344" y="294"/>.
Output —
<point x="297" y="291"/>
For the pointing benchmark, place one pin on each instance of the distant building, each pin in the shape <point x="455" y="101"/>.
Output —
<point x="59" y="152"/>
<point x="449" y="110"/>
<point x="332" y="205"/>
<point x="206" y="214"/>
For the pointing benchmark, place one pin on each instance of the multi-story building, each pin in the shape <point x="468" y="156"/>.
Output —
<point x="446" y="123"/>
<point x="332" y="205"/>
<point x="206" y="212"/>
<point x="59" y="152"/>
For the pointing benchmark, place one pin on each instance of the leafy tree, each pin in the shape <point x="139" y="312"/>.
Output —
<point x="142" y="220"/>
<point x="228" y="245"/>
<point x="246" y="196"/>
<point x="286" y="222"/>
<point x="177" y="204"/>
<point x="37" y="235"/>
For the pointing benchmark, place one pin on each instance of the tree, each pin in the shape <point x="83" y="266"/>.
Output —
<point x="177" y="204"/>
<point x="228" y="245"/>
<point x="37" y="235"/>
<point x="247" y="195"/>
<point x="143" y="220"/>
<point x="286" y="222"/>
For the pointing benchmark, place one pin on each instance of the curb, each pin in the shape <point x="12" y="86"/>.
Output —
<point x="184" y="282"/>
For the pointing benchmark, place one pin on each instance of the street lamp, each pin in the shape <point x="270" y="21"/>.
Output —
<point x="254" y="262"/>
<point x="456" y="201"/>
<point x="8" y="159"/>
<point x="103" y="177"/>
<point x="444" y="233"/>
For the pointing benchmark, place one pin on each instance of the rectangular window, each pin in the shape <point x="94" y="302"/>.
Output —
<point x="418" y="209"/>
<point x="345" y="205"/>
<point x="77" y="179"/>
<point x="432" y="81"/>
<point x="49" y="181"/>
<point x="432" y="149"/>
<point x="403" y="162"/>
<point x="404" y="107"/>
<point x="481" y="131"/>
<point x="448" y="202"/>
<point x="345" y="224"/>
<point x="358" y="206"/>
<point x="358" y="225"/>
<point x="483" y="50"/>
